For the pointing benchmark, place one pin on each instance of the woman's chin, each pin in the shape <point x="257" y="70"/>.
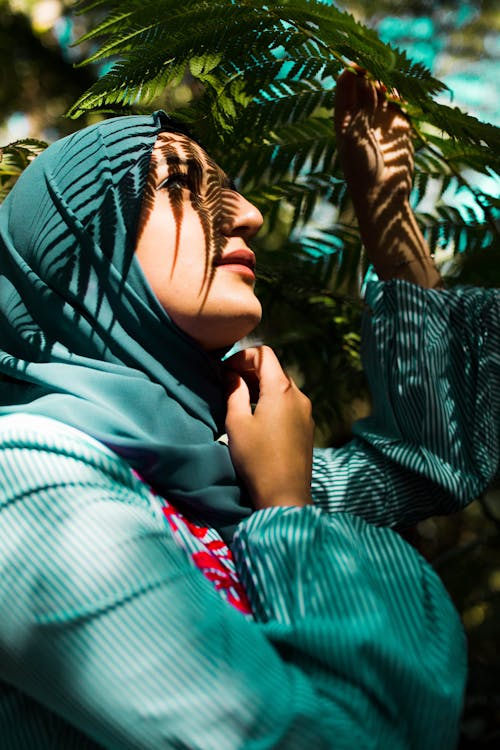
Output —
<point x="227" y="335"/>
<point x="220" y="326"/>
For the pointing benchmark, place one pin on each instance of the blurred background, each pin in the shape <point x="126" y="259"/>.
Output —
<point x="460" y="43"/>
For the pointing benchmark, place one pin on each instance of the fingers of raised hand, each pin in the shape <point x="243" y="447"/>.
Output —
<point x="355" y="97"/>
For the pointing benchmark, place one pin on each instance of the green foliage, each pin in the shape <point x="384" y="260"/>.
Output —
<point x="244" y="51"/>
<point x="268" y="76"/>
<point x="14" y="158"/>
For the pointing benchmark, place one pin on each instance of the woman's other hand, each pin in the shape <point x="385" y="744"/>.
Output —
<point x="271" y="445"/>
<point x="374" y="142"/>
<point x="376" y="153"/>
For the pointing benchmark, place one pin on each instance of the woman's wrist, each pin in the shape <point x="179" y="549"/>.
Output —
<point x="394" y="242"/>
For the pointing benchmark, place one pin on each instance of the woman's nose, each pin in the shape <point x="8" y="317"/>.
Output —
<point x="241" y="218"/>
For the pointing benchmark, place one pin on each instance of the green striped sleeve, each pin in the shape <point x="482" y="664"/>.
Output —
<point x="368" y="620"/>
<point x="431" y="444"/>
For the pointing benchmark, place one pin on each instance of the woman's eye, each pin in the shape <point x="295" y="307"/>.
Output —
<point x="175" y="182"/>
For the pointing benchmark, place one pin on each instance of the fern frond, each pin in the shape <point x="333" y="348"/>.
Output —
<point x="14" y="158"/>
<point x="264" y="67"/>
<point x="449" y="228"/>
<point x="243" y="33"/>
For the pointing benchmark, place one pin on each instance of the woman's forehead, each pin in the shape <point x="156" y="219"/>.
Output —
<point x="180" y="144"/>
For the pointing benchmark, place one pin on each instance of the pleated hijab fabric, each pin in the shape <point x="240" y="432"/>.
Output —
<point x="83" y="338"/>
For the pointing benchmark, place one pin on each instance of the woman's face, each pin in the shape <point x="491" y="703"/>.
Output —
<point x="192" y="244"/>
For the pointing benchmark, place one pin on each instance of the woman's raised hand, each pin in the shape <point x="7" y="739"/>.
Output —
<point x="376" y="153"/>
<point x="271" y="445"/>
<point x="373" y="140"/>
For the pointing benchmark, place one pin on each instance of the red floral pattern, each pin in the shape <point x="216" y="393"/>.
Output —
<point x="209" y="553"/>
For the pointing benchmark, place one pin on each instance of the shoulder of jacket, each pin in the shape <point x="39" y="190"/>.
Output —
<point x="35" y="435"/>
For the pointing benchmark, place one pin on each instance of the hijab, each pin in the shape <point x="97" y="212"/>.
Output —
<point x="83" y="338"/>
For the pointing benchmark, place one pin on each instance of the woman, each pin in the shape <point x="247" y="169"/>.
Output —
<point x="127" y="621"/>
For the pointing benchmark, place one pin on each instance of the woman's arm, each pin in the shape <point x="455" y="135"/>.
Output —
<point x="376" y="153"/>
<point x="431" y="444"/>
<point x="106" y="625"/>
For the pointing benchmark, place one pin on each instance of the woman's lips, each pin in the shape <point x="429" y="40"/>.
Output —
<point x="238" y="261"/>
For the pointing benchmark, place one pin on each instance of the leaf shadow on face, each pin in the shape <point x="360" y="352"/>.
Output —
<point x="211" y="195"/>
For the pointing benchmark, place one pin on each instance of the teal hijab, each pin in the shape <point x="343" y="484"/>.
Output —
<point x="83" y="338"/>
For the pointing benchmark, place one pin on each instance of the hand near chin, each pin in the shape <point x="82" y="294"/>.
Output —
<point x="271" y="447"/>
<point x="373" y="140"/>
